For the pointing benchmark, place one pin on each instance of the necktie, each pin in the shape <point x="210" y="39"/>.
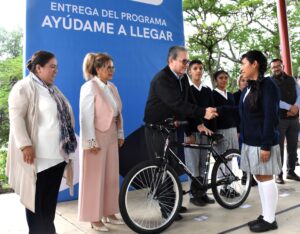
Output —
<point x="180" y="84"/>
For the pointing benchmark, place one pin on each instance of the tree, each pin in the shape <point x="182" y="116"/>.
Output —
<point x="10" y="43"/>
<point x="227" y="29"/>
<point x="10" y="72"/>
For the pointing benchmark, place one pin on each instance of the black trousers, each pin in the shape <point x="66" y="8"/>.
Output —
<point x="47" y="188"/>
<point x="155" y="142"/>
<point x="155" y="146"/>
<point x="288" y="130"/>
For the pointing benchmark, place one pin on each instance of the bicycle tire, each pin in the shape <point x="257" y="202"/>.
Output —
<point x="229" y="190"/>
<point x="142" y="197"/>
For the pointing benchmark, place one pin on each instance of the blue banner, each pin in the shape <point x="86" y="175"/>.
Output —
<point x="136" y="33"/>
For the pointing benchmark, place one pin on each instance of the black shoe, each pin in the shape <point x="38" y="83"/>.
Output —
<point x="244" y="178"/>
<point x="263" y="226"/>
<point x="182" y="209"/>
<point x="178" y="217"/>
<point x="279" y="180"/>
<point x="207" y="199"/>
<point x="292" y="176"/>
<point x="197" y="201"/>
<point x="253" y="183"/>
<point x="166" y="216"/>
<point x="259" y="218"/>
<point x="229" y="192"/>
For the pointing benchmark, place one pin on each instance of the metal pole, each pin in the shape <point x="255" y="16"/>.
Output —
<point x="284" y="36"/>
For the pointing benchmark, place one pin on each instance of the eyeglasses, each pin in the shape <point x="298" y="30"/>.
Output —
<point x="184" y="61"/>
<point x="111" y="69"/>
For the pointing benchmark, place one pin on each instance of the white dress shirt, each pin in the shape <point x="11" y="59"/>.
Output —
<point x="47" y="148"/>
<point x="223" y="93"/>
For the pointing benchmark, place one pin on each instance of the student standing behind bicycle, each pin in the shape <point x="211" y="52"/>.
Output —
<point x="167" y="99"/>
<point x="195" y="159"/>
<point x="226" y="121"/>
<point x="259" y="112"/>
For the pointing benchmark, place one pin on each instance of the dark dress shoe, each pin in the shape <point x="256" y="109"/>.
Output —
<point x="207" y="199"/>
<point x="178" y="217"/>
<point x="229" y="192"/>
<point x="263" y="226"/>
<point x="292" y="176"/>
<point x="279" y="180"/>
<point x="253" y="183"/>
<point x="197" y="201"/>
<point x="259" y="218"/>
<point x="182" y="209"/>
<point x="244" y="178"/>
<point x="166" y="216"/>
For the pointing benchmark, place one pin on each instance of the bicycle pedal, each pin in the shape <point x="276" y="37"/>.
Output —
<point x="185" y="192"/>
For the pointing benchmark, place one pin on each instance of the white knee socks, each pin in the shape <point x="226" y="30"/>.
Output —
<point x="269" y="196"/>
<point x="261" y="195"/>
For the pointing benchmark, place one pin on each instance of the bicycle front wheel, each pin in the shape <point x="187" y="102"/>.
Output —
<point x="150" y="197"/>
<point x="230" y="185"/>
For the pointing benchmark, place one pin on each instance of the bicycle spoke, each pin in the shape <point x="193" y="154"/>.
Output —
<point x="150" y="199"/>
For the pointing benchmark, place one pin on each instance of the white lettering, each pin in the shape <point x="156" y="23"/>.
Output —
<point x="87" y="26"/>
<point x="78" y="24"/>
<point x="99" y="27"/>
<point x="56" y="21"/>
<point x="65" y="24"/>
<point x="122" y="30"/>
<point x="47" y="22"/>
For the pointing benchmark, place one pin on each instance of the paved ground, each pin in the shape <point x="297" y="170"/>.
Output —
<point x="219" y="220"/>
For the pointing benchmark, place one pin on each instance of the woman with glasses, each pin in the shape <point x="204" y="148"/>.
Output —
<point x="101" y="132"/>
<point x="41" y="139"/>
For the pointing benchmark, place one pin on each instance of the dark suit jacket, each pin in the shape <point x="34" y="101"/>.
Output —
<point x="203" y="99"/>
<point x="166" y="100"/>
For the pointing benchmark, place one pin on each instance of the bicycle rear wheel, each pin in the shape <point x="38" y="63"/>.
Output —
<point x="230" y="189"/>
<point x="150" y="197"/>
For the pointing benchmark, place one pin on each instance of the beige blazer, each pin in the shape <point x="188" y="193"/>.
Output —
<point x="23" y="116"/>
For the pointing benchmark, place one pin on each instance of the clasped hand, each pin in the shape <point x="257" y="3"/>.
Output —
<point x="210" y="113"/>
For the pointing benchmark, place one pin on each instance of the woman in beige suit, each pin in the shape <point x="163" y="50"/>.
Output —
<point x="101" y="129"/>
<point x="40" y="141"/>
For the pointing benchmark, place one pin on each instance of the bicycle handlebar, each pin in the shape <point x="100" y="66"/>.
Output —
<point x="168" y="124"/>
<point x="171" y="124"/>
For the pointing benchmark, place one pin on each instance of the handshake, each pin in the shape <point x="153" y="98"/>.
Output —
<point x="210" y="113"/>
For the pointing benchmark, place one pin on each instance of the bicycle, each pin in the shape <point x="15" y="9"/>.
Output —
<point x="151" y="193"/>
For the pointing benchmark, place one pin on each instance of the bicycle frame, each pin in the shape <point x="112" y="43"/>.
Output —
<point x="211" y="152"/>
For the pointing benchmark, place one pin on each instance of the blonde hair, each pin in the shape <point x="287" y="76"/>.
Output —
<point x="92" y="61"/>
<point x="88" y="66"/>
<point x="238" y="80"/>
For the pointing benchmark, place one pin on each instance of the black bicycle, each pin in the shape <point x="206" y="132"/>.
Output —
<point x="151" y="193"/>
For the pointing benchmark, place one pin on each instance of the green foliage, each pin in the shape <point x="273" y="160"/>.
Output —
<point x="10" y="72"/>
<point x="3" y="156"/>
<point x="224" y="30"/>
<point x="10" y="43"/>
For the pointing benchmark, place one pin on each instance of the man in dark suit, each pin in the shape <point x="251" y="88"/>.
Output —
<point x="168" y="98"/>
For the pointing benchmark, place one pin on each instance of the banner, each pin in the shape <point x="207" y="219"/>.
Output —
<point x="136" y="33"/>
